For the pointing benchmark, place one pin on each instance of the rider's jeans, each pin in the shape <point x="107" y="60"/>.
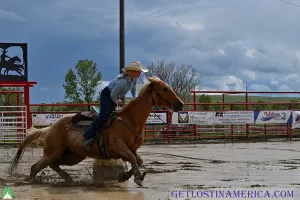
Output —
<point x="107" y="106"/>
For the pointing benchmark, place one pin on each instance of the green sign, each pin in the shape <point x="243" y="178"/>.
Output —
<point x="7" y="193"/>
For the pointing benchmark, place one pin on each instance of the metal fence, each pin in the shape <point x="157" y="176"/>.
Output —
<point x="12" y="124"/>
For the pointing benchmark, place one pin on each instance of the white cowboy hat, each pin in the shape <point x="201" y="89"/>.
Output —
<point x="135" y="66"/>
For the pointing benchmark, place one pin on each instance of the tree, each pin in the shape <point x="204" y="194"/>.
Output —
<point x="181" y="78"/>
<point x="203" y="98"/>
<point x="12" y="99"/>
<point x="82" y="87"/>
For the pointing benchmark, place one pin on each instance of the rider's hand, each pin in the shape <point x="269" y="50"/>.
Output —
<point x="119" y="103"/>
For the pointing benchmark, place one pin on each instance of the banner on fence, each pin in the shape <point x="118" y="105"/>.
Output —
<point x="194" y="117"/>
<point x="49" y="118"/>
<point x="273" y="116"/>
<point x="46" y="119"/>
<point x="157" y="118"/>
<point x="296" y="119"/>
<point x="234" y="117"/>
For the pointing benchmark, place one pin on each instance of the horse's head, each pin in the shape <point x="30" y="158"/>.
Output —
<point x="15" y="59"/>
<point x="163" y="95"/>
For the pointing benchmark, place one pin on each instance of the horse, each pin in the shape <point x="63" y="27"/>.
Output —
<point x="10" y="65"/>
<point x="16" y="68"/>
<point x="120" y="137"/>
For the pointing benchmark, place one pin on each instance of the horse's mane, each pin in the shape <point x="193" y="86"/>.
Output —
<point x="141" y="91"/>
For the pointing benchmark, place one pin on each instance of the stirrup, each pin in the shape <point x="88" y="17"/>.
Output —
<point x="87" y="142"/>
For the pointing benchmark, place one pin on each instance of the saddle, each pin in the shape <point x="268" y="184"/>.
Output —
<point x="82" y="120"/>
<point x="84" y="116"/>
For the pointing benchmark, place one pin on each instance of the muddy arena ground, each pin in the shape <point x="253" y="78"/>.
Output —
<point x="192" y="166"/>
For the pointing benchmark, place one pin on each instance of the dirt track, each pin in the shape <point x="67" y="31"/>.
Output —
<point x="194" y="166"/>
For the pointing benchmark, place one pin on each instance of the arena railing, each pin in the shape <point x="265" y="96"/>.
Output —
<point x="190" y="132"/>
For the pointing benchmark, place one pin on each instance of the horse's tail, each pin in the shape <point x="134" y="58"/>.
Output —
<point x="33" y="134"/>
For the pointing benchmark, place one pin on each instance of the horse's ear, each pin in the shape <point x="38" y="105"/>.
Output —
<point x="149" y="80"/>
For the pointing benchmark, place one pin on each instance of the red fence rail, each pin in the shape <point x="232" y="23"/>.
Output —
<point x="170" y="131"/>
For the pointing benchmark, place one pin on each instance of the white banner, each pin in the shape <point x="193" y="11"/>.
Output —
<point x="234" y="117"/>
<point x="45" y="119"/>
<point x="272" y="116"/>
<point x="49" y="118"/>
<point x="192" y="117"/>
<point x="157" y="118"/>
<point x="296" y="119"/>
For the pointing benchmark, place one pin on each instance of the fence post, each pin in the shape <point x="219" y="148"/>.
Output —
<point x="247" y="108"/>
<point x="195" y="109"/>
<point x="168" y="126"/>
<point x="232" y="132"/>
<point x="27" y="105"/>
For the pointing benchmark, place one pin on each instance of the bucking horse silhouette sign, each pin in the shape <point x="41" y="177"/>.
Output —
<point x="13" y="62"/>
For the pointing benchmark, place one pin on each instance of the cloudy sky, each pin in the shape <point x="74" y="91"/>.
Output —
<point x="233" y="43"/>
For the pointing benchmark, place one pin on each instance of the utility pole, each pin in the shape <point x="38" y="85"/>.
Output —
<point x="122" y="42"/>
<point x="122" y="38"/>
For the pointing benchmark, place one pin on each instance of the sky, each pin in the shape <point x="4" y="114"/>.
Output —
<point x="234" y="44"/>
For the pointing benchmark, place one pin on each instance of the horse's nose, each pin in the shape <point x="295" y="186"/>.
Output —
<point x="178" y="106"/>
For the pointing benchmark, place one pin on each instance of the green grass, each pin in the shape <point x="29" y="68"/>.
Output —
<point x="242" y="98"/>
<point x="218" y="98"/>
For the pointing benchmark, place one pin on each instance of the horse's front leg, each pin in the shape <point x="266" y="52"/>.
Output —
<point x="127" y="175"/>
<point x="138" y="158"/>
<point x="123" y="152"/>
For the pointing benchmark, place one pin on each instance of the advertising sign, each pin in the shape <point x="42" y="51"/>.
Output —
<point x="185" y="117"/>
<point x="296" y="119"/>
<point x="45" y="119"/>
<point x="273" y="116"/>
<point x="157" y="118"/>
<point x="234" y="117"/>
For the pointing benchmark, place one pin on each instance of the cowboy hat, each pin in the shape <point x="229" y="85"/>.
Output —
<point x="135" y="66"/>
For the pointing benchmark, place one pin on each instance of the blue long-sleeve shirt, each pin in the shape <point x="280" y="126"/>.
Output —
<point x="120" y="86"/>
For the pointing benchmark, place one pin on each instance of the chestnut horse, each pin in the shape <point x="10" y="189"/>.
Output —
<point x="120" y="139"/>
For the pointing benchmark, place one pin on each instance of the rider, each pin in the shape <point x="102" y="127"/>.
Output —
<point x="3" y="55"/>
<point x="109" y="96"/>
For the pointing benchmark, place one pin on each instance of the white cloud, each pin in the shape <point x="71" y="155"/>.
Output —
<point x="221" y="51"/>
<point x="260" y="88"/>
<point x="231" y="47"/>
<point x="101" y="86"/>
<point x="251" y="53"/>
<point x="8" y="15"/>
<point x="274" y="82"/>
<point x="297" y="53"/>
<point x="227" y="83"/>
<point x="248" y="73"/>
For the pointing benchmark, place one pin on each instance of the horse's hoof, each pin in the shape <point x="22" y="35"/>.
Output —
<point x="139" y="182"/>
<point x="27" y="178"/>
<point x="143" y="176"/>
<point x="30" y="180"/>
<point x="140" y="162"/>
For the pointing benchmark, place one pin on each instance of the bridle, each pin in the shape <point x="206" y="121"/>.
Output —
<point x="152" y="89"/>
<point x="139" y="135"/>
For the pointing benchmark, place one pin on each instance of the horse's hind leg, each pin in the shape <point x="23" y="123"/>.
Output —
<point x="68" y="179"/>
<point x="68" y="158"/>
<point x="49" y="157"/>
<point x="38" y="166"/>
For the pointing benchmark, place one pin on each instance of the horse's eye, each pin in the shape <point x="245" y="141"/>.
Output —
<point x="166" y="89"/>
